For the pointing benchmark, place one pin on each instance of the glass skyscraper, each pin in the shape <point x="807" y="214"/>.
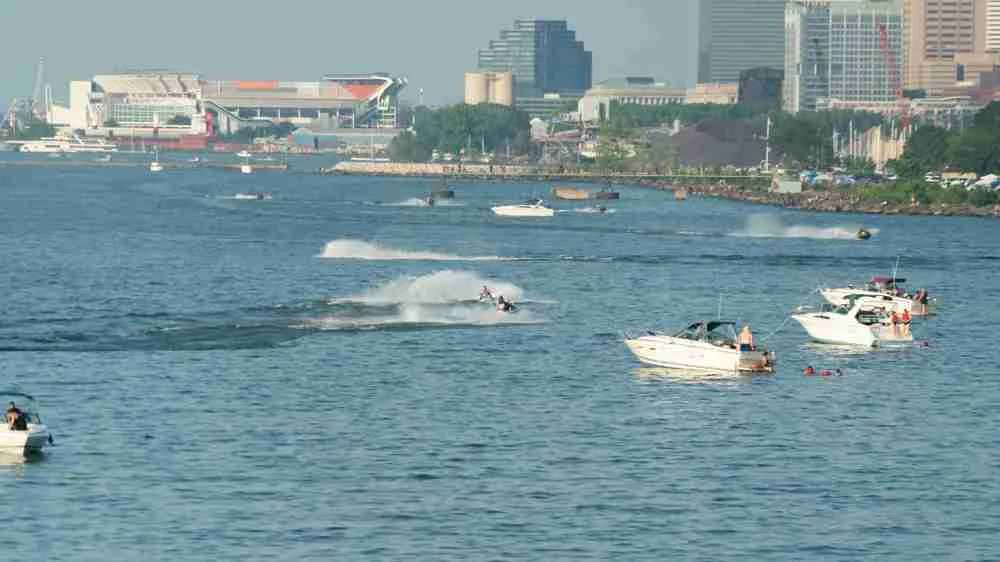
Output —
<point x="544" y="55"/>
<point x="737" y="35"/>
<point x="834" y="52"/>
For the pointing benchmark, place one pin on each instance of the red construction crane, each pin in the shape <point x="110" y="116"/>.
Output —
<point x="890" y="66"/>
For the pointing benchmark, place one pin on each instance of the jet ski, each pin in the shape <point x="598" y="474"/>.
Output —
<point x="862" y="234"/>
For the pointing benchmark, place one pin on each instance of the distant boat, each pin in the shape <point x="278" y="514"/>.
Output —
<point x="607" y="194"/>
<point x="680" y="194"/>
<point x="243" y="154"/>
<point x="570" y="193"/>
<point x="155" y="165"/>
<point x="531" y="208"/>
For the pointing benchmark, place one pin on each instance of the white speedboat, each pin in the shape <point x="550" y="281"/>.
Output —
<point x="885" y="292"/>
<point x="703" y="346"/>
<point x="854" y="323"/>
<point x="25" y="438"/>
<point x="532" y="208"/>
<point x="253" y="196"/>
<point x="244" y="154"/>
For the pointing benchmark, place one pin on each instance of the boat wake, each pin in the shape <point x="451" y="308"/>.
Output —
<point x="590" y="210"/>
<point x="418" y="316"/>
<point x="442" y="287"/>
<point x="770" y="226"/>
<point x="422" y="202"/>
<point x="441" y="299"/>
<point x="347" y="249"/>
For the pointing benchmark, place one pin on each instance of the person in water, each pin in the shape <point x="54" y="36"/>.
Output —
<point x="16" y="420"/>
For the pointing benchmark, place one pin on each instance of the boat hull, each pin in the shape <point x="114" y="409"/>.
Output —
<point x="34" y="440"/>
<point x="844" y="330"/>
<point x="680" y="353"/>
<point x="523" y="211"/>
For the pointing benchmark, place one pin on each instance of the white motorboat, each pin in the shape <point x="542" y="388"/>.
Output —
<point x="64" y="145"/>
<point x="532" y="208"/>
<point x="709" y="346"/>
<point x="886" y="292"/>
<point x="155" y="165"/>
<point x="27" y="437"/>
<point x="253" y="196"/>
<point x="854" y="323"/>
<point x="243" y="154"/>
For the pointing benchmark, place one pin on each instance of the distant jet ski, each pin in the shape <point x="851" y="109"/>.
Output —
<point x="862" y="234"/>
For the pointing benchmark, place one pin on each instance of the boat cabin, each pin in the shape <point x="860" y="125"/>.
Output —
<point x="717" y="332"/>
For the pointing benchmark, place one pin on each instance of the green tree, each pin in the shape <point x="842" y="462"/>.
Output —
<point x="928" y="148"/>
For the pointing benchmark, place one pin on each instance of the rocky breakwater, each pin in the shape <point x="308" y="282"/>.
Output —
<point x="351" y="167"/>
<point x="840" y="201"/>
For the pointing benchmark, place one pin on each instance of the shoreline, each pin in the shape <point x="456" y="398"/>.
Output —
<point x="722" y="187"/>
<point x="844" y="201"/>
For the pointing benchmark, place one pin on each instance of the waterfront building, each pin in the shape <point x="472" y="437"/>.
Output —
<point x="489" y="87"/>
<point x="833" y="51"/>
<point x="173" y="104"/>
<point x="993" y="26"/>
<point x="935" y="32"/>
<point x="596" y="104"/>
<point x="715" y="92"/>
<point x="544" y="57"/>
<point x="737" y="35"/>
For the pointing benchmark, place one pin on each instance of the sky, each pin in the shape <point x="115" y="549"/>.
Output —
<point x="431" y="43"/>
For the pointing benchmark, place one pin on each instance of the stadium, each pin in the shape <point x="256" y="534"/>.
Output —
<point x="172" y="104"/>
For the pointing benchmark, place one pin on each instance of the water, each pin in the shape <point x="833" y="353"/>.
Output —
<point x="218" y="390"/>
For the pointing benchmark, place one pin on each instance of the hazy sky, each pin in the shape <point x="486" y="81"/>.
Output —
<point x="431" y="43"/>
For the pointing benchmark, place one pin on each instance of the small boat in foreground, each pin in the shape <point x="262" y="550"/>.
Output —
<point x="28" y="434"/>
<point x="710" y="346"/>
<point x="531" y="208"/>
<point x="854" y="323"/>
<point x="570" y="193"/>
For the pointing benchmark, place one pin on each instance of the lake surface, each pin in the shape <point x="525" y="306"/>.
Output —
<point x="225" y="381"/>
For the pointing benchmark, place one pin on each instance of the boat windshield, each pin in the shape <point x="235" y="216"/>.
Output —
<point x="715" y="331"/>
<point x="23" y="402"/>
<point x="533" y="202"/>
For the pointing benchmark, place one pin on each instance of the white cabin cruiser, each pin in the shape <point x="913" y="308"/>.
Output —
<point x="855" y="323"/>
<point x="23" y="432"/>
<point x="531" y="208"/>
<point x="886" y="292"/>
<point x="710" y="346"/>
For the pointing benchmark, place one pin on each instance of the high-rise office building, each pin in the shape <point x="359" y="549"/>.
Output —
<point x="544" y="56"/>
<point x="936" y="31"/>
<point x="737" y="35"/>
<point x="834" y="52"/>
<point x="993" y="26"/>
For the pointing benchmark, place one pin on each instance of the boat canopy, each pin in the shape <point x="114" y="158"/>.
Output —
<point x="705" y="328"/>
<point x="882" y="280"/>
<point x="535" y="201"/>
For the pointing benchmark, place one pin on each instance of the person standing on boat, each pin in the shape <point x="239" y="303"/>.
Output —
<point x="745" y="339"/>
<point x="906" y="321"/>
<point x="894" y="318"/>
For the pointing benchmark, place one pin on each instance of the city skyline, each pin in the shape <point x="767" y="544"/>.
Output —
<point x="638" y="37"/>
